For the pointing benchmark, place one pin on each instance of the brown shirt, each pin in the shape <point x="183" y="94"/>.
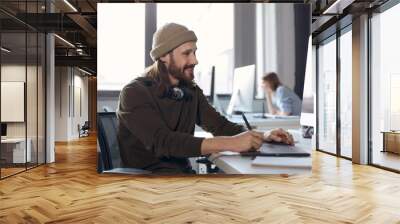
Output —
<point x="156" y="133"/>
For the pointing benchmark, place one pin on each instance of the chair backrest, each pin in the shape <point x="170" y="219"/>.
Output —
<point x="106" y="109"/>
<point x="108" y="142"/>
<point x="86" y="125"/>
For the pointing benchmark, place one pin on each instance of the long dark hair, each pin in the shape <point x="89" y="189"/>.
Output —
<point x="272" y="79"/>
<point x="158" y="72"/>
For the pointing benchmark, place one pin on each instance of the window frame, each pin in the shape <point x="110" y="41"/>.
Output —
<point x="378" y="10"/>
<point x="333" y="33"/>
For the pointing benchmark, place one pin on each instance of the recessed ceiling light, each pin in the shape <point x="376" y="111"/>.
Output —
<point x="64" y="40"/>
<point x="70" y="5"/>
<point x="337" y="7"/>
<point x="84" y="71"/>
<point x="5" y="50"/>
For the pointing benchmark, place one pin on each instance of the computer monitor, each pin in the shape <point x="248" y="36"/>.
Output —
<point x="213" y="95"/>
<point x="212" y="87"/>
<point x="243" y="90"/>
<point x="307" y="113"/>
<point x="3" y="130"/>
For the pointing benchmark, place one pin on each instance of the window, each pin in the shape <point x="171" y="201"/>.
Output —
<point x="385" y="87"/>
<point x="335" y="108"/>
<point x="121" y="44"/>
<point x="213" y="25"/>
<point x="346" y="93"/>
<point x="327" y="95"/>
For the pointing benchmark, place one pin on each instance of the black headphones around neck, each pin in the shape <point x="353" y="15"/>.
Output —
<point x="178" y="93"/>
<point x="173" y="92"/>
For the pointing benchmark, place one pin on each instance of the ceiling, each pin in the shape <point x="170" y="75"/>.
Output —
<point x="76" y="22"/>
<point x="330" y="15"/>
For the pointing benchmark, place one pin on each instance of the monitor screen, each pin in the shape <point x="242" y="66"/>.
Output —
<point x="307" y="112"/>
<point x="3" y="129"/>
<point x="243" y="90"/>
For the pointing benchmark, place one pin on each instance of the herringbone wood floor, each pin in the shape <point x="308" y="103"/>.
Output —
<point x="70" y="191"/>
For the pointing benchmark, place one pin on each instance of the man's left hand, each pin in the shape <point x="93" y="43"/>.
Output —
<point x="279" y="135"/>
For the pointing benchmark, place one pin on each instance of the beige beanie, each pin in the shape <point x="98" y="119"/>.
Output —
<point x="169" y="37"/>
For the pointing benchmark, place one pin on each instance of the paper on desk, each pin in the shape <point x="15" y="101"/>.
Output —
<point x="300" y="162"/>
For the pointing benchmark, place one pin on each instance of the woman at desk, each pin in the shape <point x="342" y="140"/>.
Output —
<point x="280" y="99"/>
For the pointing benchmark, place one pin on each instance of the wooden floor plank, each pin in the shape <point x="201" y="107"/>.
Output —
<point x="70" y="191"/>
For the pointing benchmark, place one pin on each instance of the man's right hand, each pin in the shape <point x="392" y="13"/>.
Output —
<point x="243" y="142"/>
<point x="249" y="140"/>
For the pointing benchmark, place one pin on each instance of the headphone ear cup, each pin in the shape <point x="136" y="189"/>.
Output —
<point x="177" y="93"/>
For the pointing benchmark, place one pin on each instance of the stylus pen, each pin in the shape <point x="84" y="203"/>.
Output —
<point x="247" y="123"/>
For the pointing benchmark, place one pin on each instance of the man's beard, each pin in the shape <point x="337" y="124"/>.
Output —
<point x="180" y="74"/>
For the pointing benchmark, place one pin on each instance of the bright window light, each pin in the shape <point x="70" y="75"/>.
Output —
<point x="121" y="44"/>
<point x="213" y="25"/>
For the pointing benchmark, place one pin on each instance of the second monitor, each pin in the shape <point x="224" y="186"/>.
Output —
<point x="243" y="90"/>
<point x="3" y="130"/>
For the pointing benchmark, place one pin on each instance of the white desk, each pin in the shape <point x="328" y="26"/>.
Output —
<point x="16" y="147"/>
<point x="242" y="165"/>
<point x="260" y="123"/>
<point x="237" y="164"/>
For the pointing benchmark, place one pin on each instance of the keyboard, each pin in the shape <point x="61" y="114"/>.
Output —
<point x="279" y="150"/>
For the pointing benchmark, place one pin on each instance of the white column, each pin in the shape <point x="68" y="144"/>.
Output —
<point x="50" y="99"/>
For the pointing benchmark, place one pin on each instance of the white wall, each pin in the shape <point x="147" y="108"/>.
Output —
<point x="70" y="84"/>
<point x="33" y="125"/>
<point x="12" y="73"/>
<point x="61" y="103"/>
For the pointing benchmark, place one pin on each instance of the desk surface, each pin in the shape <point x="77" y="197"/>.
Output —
<point x="391" y="132"/>
<point x="260" y="123"/>
<point x="256" y="120"/>
<point x="236" y="164"/>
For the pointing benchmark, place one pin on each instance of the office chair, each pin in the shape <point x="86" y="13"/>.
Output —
<point x="106" y="109"/>
<point x="84" y="129"/>
<point x="109" y="158"/>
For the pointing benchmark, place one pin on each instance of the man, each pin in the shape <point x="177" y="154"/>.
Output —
<point x="157" y="112"/>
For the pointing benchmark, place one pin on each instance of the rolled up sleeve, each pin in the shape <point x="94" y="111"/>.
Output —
<point x="138" y="114"/>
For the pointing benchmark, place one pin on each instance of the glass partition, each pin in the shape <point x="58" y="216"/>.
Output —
<point x="385" y="89"/>
<point x="13" y="95"/>
<point x="22" y="100"/>
<point x="327" y="96"/>
<point x="31" y="98"/>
